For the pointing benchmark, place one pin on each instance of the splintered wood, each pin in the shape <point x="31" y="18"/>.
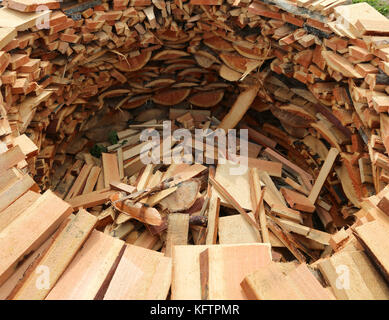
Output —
<point x="205" y="149"/>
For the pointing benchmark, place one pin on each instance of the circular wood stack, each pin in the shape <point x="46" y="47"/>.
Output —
<point x="308" y="79"/>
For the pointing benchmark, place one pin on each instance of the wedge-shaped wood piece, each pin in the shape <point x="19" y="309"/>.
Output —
<point x="11" y="158"/>
<point x="17" y="208"/>
<point x="373" y="27"/>
<point x="137" y="210"/>
<point x="206" y="99"/>
<point x="183" y="198"/>
<point x="235" y="182"/>
<point x="141" y="274"/>
<point x="57" y="258"/>
<point x="110" y="168"/>
<point x="134" y="63"/>
<point x="223" y="268"/>
<point x="239" y="108"/>
<point x="30" y="230"/>
<point x="297" y="200"/>
<point x="26" y="145"/>
<point x="340" y="64"/>
<point x="284" y="281"/>
<point x="171" y="97"/>
<point x="90" y="270"/>
<point x="15" y="190"/>
<point x="324" y="172"/>
<point x="374" y="237"/>
<point x="352" y="277"/>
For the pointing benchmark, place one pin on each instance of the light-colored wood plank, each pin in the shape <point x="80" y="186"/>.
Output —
<point x="89" y="270"/>
<point x="141" y="274"/>
<point x="58" y="257"/>
<point x="223" y="268"/>
<point x="177" y="231"/>
<point x="324" y="172"/>
<point x="110" y="168"/>
<point x="17" y="208"/>
<point x="36" y="224"/>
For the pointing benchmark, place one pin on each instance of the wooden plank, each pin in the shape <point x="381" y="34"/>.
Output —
<point x="213" y="218"/>
<point x="284" y="281"/>
<point x="26" y="145"/>
<point x="177" y="231"/>
<point x="297" y="200"/>
<point x="91" y="199"/>
<point x="141" y="274"/>
<point x="272" y="195"/>
<point x="79" y="184"/>
<point x="8" y="286"/>
<point x="57" y="258"/>
<point x="110" y="168"/>
<point x="223" y="267"/>
<point x="286" y="213"/>
<point x="92" y="180"/>
<point x="235" y="229"/>
<point x="239" y="108"/>
<point x="362" y="282"/>
<point x="186" y="272"/>
<point x="231" y="200"/>
<point x="36" y="224"/>
<point x="123" y="187"/>
<point x="289" y="165"/>
<point x="324" y="172"/>
<point x="271" y="167"/>
<point x="16" y="190"/>
<point x="17" y="208"/>
<point x="90" y="270"/>
<point x="236" y="184"/>
<point x="374" y="237"/>
<point x="6" y="36"/>
<point x="11" y="158"/>
<point x="20" y="20"/>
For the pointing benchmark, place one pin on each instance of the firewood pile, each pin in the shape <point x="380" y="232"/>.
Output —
<point x="82" y="216"/>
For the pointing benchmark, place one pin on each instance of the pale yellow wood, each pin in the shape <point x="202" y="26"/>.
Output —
<point x="89" y="269"/>
<point x="58" y="256"/>
<point x="36" y="224"/>
<point x="141" y="274"/>
<point x="177" y="231"/>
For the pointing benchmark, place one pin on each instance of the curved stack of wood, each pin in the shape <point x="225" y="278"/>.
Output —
<point x="308" y="79"/>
